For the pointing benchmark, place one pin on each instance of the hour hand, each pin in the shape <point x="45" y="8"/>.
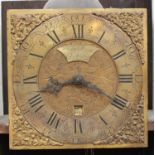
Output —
<point x="53" y="86"/>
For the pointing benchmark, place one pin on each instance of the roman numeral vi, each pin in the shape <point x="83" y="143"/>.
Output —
<point x="77" y="126"/>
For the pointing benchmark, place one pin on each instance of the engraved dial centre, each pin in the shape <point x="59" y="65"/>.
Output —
<point x="91" y="62"/>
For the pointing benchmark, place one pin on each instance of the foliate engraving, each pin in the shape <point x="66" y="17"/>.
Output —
<point x="21" y="128"/>
<point x="132" y="131"/>
<point x="22" y="25"/>
<point x="132" y="24"/>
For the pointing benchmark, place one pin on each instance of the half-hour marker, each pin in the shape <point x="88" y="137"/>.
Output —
<point x="101" y="37"/>
<point x="36" y="101"/>
<point x="36" y="55"/>
<point x="78" y="30"/>
<point x="54" y="37"/>
<point x="53" y="120"/>
<point x="118" y="55"/>
<point x="125" y="78"/>
<point x="119" y="102"/>
<point x="25" y="112"/>
<point x="101" y="118"/>
<point x="77" y="126"/>
<point x="30" y="80"/>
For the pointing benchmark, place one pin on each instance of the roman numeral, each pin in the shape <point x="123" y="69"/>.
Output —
<point x="30" y="80"/>
<point x="101" y="37"/>
<point x="78" y="30"/>
<point x="77" y="126"/>
<point x="125" y="78"/>
<point x="101" y="118"/>
<point x="118" y="55"/>
<point x="36" y="101"/>
<point x="54" y="37"/>
<point x="36" y="55"/>
<point x="119" y="102"/>
<point x="53" y="120"/>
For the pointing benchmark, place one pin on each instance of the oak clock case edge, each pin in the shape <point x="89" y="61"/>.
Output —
<point x="63" y="48"/>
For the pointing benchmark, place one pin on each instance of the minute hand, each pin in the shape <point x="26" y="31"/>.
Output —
<point x="98" y="90"/>
<point x="79" y="80"/>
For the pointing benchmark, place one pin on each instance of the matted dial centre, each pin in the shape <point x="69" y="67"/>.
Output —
<point x="89" y="62"/>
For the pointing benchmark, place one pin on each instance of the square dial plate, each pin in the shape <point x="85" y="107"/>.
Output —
<point x="77" y="78"/>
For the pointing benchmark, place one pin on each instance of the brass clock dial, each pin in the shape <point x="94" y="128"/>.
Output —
<point x="77" y="77"/>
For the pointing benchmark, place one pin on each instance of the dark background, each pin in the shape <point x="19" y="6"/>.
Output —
<point x="4" y="150"/>
<point x="4" y="140"/>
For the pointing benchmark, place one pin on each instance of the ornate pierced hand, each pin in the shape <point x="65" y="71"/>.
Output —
<point x="54" y="86"/>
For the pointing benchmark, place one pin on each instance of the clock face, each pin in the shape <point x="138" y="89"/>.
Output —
<point x="76" y="78"/>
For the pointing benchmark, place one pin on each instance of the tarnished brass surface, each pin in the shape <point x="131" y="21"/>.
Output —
<point x="108" y="48"/>
<point x="81" y="52"/>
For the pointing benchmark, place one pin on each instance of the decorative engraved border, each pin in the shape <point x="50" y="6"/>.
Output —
<point x="133" y="22"/>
